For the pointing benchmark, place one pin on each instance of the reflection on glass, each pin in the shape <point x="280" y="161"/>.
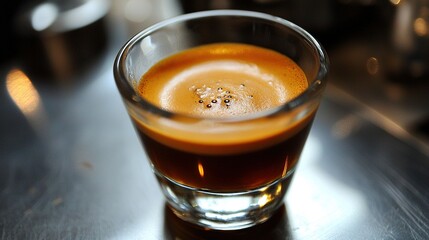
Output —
<point x="275" y="228"/>
<point x="201" y="169"/>
<point x="264" y="199"/>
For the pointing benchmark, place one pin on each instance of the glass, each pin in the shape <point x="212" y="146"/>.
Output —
<point x="220" y="187"/>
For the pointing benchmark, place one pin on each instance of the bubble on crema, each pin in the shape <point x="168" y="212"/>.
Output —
<point x="217" y="96"/>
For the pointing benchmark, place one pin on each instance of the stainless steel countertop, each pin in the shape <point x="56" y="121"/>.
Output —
<point x="73" y="168"/>
<point x="78" y="172"/>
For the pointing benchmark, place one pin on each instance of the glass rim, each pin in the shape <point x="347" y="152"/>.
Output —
<point x="131" y="95"/>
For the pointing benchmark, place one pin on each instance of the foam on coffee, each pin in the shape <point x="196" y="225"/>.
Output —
<point x="221" y="81"/>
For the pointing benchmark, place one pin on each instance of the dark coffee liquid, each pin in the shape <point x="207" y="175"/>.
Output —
<point x="222" y="81"/>
<point x="226" y="172"/>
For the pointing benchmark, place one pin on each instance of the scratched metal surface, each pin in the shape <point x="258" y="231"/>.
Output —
<point x="73" y="168"/>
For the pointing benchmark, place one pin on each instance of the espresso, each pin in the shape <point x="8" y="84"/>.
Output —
<point x="223" y="80"/>
<point x="212" y="85"/>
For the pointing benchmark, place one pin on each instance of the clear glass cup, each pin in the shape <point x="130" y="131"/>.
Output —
<point x="221" y="186"/>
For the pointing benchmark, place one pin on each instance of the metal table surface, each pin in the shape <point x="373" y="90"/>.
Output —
<point x="71" y="167"/>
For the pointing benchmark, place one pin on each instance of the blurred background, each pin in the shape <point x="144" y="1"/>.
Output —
<point x="71" y="166"/>
<point x="379" y="49"/>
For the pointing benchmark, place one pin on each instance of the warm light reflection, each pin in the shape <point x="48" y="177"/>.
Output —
<point x="22" y="92"/>
<point x="372" y="65"/>
<point x="420" y="27"/>
<point x="285" y="168"/>
<point x="27" y="99"/>
<point x="279" y="189"/>
<point x="264" y="200"/>
<point x="267" y="198"/>
<point x="200" y="169"/>
<point x="395" y="2"/>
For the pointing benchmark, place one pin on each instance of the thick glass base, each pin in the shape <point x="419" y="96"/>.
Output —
<point x="224" y="211"/>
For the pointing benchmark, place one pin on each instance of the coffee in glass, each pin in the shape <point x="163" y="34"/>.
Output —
<point x="223" y="115"/>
